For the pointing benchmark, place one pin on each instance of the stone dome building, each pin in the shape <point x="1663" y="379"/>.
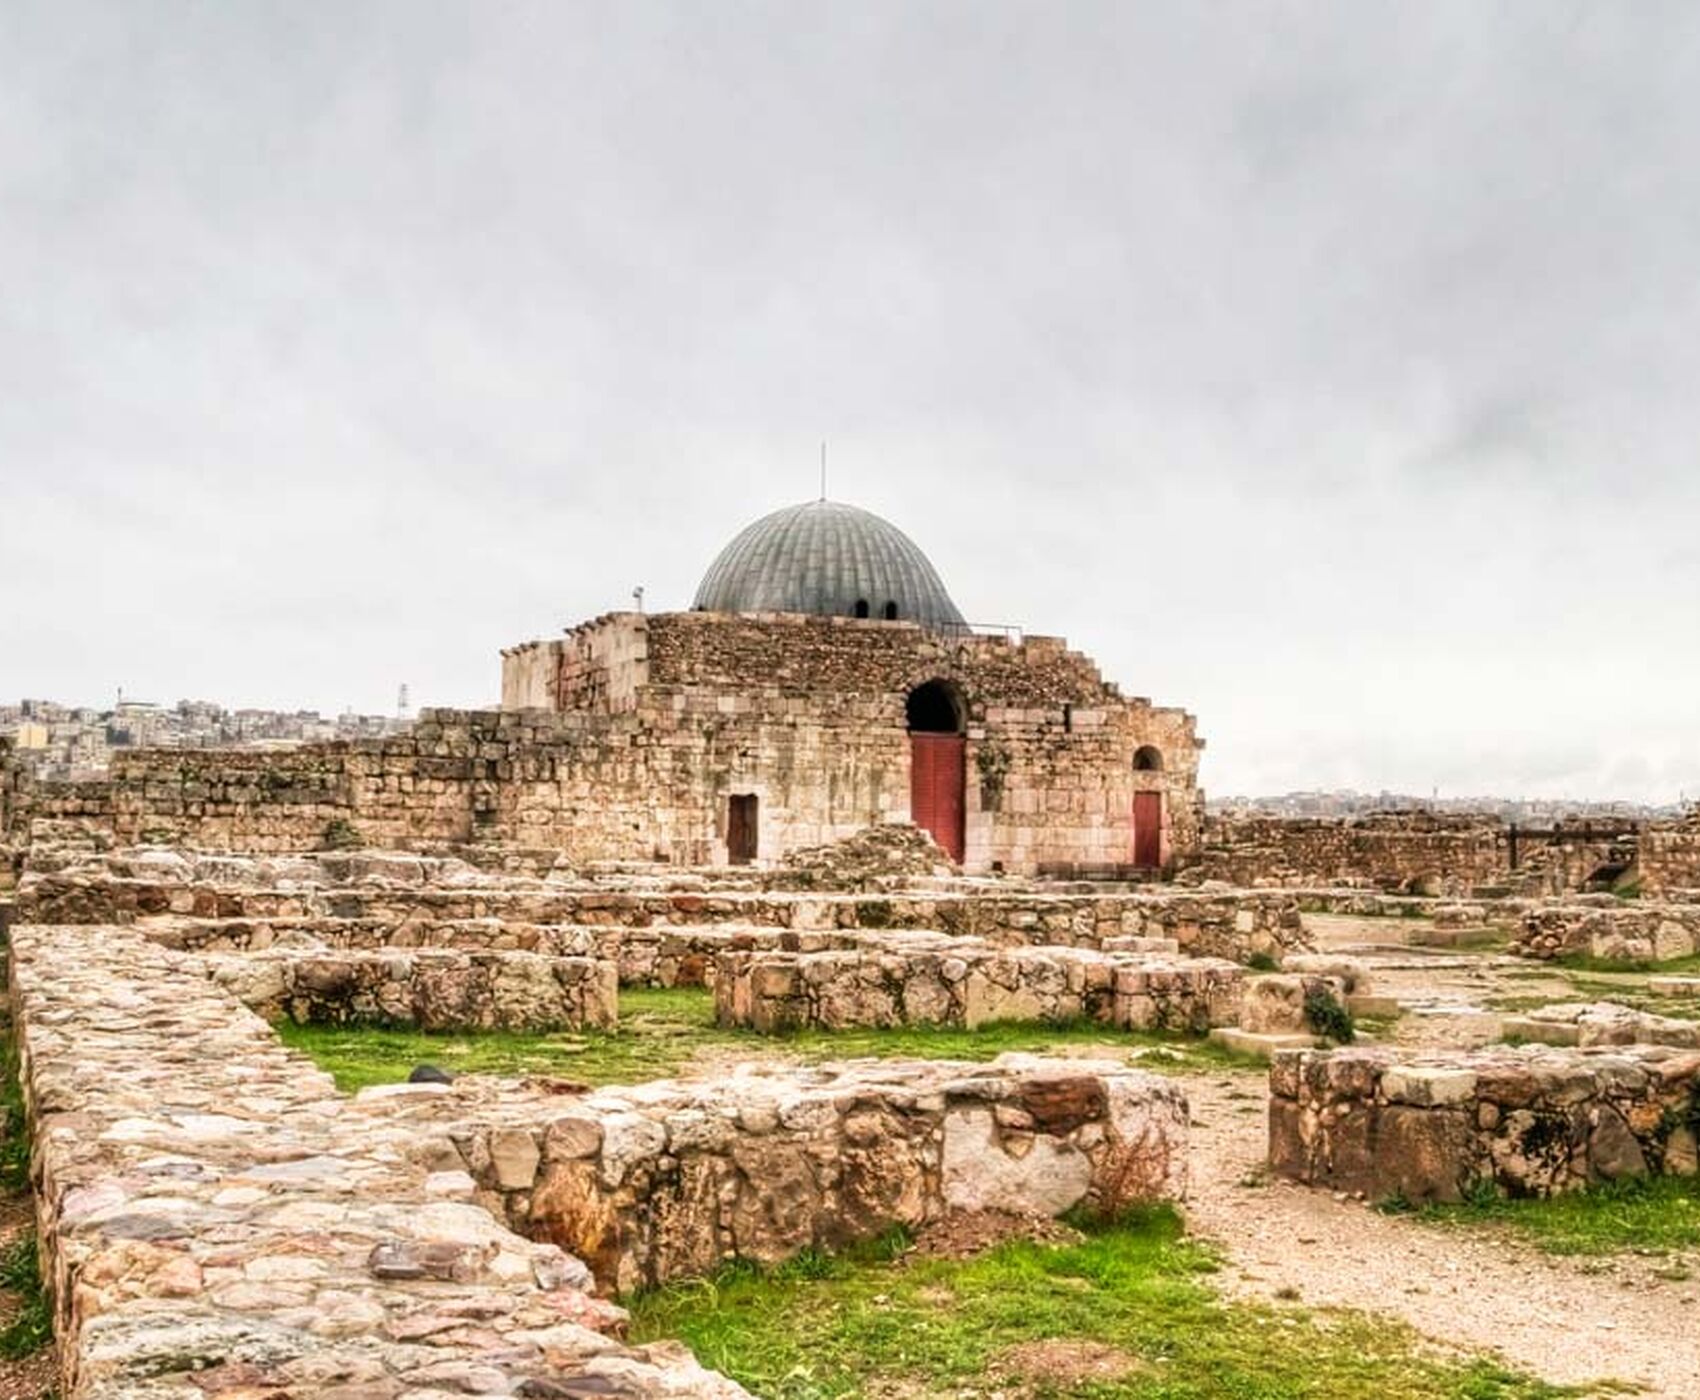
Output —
<point x="829" y="560"/>
<point x="824" y="681"/>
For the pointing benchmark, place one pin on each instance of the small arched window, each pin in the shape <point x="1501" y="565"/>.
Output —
<point x="861" y="607"/>
<point x="891" y="612"/>
<point x="1147" y="759"/>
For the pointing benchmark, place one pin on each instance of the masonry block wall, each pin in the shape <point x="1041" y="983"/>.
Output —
<point x="1414" y="851"/>
<point x="807" y="714"/>
<point x="1670" y="856"/>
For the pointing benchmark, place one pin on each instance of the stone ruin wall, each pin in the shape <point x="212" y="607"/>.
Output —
<point x="422" y="989"/>
<point x="1611" y="930"/>
<point x="665" y="1181"/>
<point x="1386" y="851"/>
<point x="1530" y="1121"/>
<point x="216" y="1219"/>
<point x="1424" y="853"/>
<point x="640" y="786"/>
<point x="1670" y="857"/>
<point x="929" y="980"/>
<point x="213" y="902"/>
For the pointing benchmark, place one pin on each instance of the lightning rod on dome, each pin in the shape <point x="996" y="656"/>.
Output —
<point x="823" y="470"/>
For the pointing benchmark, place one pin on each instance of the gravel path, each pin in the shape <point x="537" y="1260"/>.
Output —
<point x="1476" y="1290"/>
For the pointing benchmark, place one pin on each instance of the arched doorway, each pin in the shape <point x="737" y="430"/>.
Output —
<point x="938" y="764"/>
<point x="1147" y="812"/>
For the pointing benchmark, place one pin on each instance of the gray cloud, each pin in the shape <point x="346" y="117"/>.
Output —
<point x="1324" y="368"/>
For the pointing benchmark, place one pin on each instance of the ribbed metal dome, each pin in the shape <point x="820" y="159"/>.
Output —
<point x="830" y="559"/>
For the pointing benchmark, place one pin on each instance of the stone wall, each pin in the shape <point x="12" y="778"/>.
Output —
<point x="667" y="1180"/>
<point x="432" y="990"/>
<point x="1421" y="853"/>
<point x="1610" y="929"/>
<point x="922" y="980"/>
<point x="1528" y="1120"/>
<point x="1670" y="856"/>
<point x="1415" y="852"/>
<point x="288" y="897"/>
<point x="215" y="1220"/>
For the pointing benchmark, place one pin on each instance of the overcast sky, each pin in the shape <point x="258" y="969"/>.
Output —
<point x="1328" y="369"/>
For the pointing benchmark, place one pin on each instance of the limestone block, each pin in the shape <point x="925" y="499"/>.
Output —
<point x="987" y="1170"/>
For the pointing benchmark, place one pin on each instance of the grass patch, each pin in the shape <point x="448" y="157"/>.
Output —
<point x="824" y="1328"/>
<point x="664" y="1031"/>
<point x="31" y="1327"/>
<point x="1653" y="1215"/>
<point x="14" y="1123"/>
<point x="1587" y="962"/>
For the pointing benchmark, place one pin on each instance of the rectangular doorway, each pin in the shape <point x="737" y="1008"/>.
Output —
<point x="742" y="815"/>
<point x="938" y="780"/>
<point x="1148" y="830"/>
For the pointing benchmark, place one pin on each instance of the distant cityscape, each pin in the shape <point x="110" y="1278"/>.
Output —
<point x="60" y="742"/>
<point x="1346" y="802"/>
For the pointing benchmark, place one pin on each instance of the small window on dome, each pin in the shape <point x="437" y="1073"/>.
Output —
<point x="861" y="607"/>
<point x="891" y="612"/>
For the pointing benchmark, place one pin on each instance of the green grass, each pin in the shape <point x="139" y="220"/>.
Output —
<point x="662" y="1032"/>
<point x="1587" y="962"/>
<point x="14" y="1124"/>
<point x="1655" y="1215"/>
<point x="31" y="1328"/>
<point x="823" y="1328"/>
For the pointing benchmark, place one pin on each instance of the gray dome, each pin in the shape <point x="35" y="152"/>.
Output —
<point x="828" y="559"/>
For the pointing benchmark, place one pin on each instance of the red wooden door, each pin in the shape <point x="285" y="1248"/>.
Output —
<point x="938" y="777"/>
<point x="1148" y="830"/>
<point x="741" y="829"/>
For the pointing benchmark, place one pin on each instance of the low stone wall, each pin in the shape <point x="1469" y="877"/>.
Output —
<point x="667" y="1180"/>
<point x="217" y="1221"/>
<point x="916" y="980"/>
<point x="428" y="990"/>
<point x="1413" y="852"/>
<point x="1601" y="1023"/>
<point x="1235" y="925"/>
<point x="191" y="935"/>
<point x="1529" y="1120"/>
<point x="1612" y="930"/>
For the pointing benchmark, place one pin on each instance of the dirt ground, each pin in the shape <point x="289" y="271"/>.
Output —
<point x="1570" y="1320"/>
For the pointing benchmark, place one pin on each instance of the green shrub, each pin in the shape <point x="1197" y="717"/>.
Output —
<point x="1327" y="1016"/>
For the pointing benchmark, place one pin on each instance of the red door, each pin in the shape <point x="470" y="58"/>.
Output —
<point x="1148" y="830"/>
<point x="938" y="776"/>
